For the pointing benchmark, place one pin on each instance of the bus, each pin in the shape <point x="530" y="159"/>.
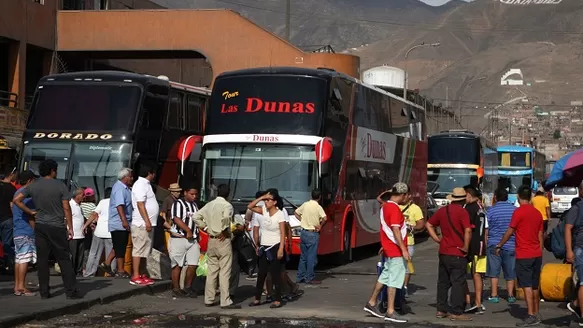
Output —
<point x="458" y="158"/>
<point x="94" y="123"/>
<point x="549" y="167"/>
<point x="519" y="165"/>
<point x="299" y="129"/>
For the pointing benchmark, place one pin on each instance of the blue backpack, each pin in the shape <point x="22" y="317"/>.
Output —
<point x="555" y="241"/>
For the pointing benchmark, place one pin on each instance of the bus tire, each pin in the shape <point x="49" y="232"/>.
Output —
<point x="346" y="254"/>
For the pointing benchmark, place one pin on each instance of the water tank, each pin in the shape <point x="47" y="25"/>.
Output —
<point x="385" y="76"/>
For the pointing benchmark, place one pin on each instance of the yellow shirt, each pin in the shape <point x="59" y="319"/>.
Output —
<point x="412" y="215"/>
<point x="311" y="213"/>
<point x="541" y="203"/>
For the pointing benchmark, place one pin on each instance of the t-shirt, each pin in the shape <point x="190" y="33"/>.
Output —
<point x="572" y="217"/>
<point x="269" y="228"/>
<point x="541" y="203"/>
<point x="479" y="224"/>
<point x="412" y="215"/>
<point x="102" y="210"/>
<point x="142" y="192"/>
<point x="450" y="240"/>
<point x="87" y="208"/>
<point x="311" y="213"/>
<point x="78" y="220"/>
<point x="21" y="220"/>
<point x="48" y="196"/>
<point x="391" y="216"/>
<point x="120" y="195"/>
<point x="528" y="222"/>
<point x="499" y="217"/>
<point x="7" y="191"/>
<point x="167" y="207"/>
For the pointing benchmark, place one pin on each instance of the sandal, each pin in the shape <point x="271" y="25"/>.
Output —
<point x="441" y="315"/>
<point x="24" y="293"/>
<point x="275" y="306"/>
<point x="255" y="303"/>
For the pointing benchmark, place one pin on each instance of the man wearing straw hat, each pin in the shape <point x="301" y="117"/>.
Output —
<point x="175" y="192"/>
<point x="456" y="233"/>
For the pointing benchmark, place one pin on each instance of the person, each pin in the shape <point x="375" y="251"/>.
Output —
<point x="394" y="248"/>
<point x="101" y="236"/>
<point x="478" y="246"/>
<point x="574" y="249"/>
<point x="312" y="218"/>
<point x="51" y="199"/>
<point x="77" y="244"/>
<point x="454" y="242"/>
<point x="87" y="207"/>
<point x="7" y="191"/>
<point x="251" y="220"/>
<point x="183" y="247"/>
<point x="527" y="226"/>
<point x="24" y="242"/>
<point x="216" y="217"/>
<point x="175" y="192"/>
<point x="144" y="220"/>
<point x="237" y="244"/>
<point x="541" y="203"/>
<point x="271" y="250"/>
<point x="499" y="217"/>
<point x="118" y="224"/>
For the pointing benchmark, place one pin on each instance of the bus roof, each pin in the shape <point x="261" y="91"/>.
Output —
<point x="515" y="149"/>
<point x="455" y="133"/>
<point x="325" y="73"/>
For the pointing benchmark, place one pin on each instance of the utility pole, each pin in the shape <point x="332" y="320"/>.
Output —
<point x="287" y="20"/>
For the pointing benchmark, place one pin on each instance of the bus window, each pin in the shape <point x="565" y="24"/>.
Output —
<point x="194" y="110"/>
<point x="154" y="107"/>
<point x="175" y="111"/>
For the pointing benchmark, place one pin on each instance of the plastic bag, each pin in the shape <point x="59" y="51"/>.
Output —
<point x="202" y="267"/>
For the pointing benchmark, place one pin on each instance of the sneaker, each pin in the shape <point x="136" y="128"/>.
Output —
<point x="495" y="299"/>
<point x="147" y="280"/>
<point x="470" y="308"/>
<point x="511" y="299"/>
<point x="373" y="310"/>
<point x="574" y="309"/>
<point x="480" y="309"/>
<point x="395" y="317"/>
<point x="138" y="281"/>
<point x="530" y="320"/>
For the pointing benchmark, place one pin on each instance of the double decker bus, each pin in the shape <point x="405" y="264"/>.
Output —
<point x="458" y="158"/>
<point x="94" y="123"/>
<point x="519" y="165"/>
<point x="298" y="129"/>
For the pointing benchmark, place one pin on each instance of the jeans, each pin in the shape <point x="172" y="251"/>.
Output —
<point x="98" y="245"/>
<point x="6" y="228"/>
<point x="451" y="274"/>
<point x="504" y="262"/>
<point x="53" y="240"/>
<point x="309" y="255"/>
<point x="273" y="268"/>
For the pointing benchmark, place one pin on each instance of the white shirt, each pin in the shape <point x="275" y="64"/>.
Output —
<point x="102" y="210"/>
<point x="142" y="192"/>
<point x="269" y="231"/>
<point x="78" y="220"/>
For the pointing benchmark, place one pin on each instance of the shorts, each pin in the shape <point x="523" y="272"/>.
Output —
<point x="505" y="262"/>
<point x="183" y="252"/>
<point x="119" y="240"/>
<point x="478" y="264"/>
<point x="141" y="241"/>
<point x="393" y="274"/>
<point x="411" y="250"/>
<point x="25" y="249"/>
<point x="528" y="272"/>
<point x="578" y="265"/>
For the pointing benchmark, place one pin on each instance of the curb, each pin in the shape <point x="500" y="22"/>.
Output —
<point x="84" y="304"/>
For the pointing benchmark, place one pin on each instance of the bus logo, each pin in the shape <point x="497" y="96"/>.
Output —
<point x="229" y="95"/>
<point x="255" y="105"/>
<point x="373" y="148"/>
<point x="73" y="136"/>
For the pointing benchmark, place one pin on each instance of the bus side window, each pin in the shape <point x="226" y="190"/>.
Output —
<point x="175" y="111"/>
<point x="154" y="106"/>
<point x="194" y="110"/>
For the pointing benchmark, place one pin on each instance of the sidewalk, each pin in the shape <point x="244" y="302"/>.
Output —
<point x="20" y="309"/>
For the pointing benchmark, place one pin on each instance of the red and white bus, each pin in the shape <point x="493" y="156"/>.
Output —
<point x="299" y="129"/>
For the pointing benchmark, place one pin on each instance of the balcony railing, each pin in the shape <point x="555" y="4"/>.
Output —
<point x="8" y="99"/>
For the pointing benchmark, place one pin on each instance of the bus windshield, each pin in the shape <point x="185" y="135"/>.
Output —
<point x="449" y="178"/>
<point x="512" y="182"/>
<point x="251" y="168"/>
<point x="82" y="164"/>
<point x="514" y="159"/>
<point x="98" y="106"/>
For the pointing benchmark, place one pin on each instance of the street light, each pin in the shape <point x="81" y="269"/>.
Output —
<point x="462" y="95"/>
<point x="422" y="44"/>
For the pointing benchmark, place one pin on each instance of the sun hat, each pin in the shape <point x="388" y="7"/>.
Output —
<point x="457" y="194"/>
<point x="175" y="187"/>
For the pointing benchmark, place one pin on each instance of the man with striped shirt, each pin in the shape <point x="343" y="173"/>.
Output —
<point x="184" y="248"/>
<point x="499" y="217"/>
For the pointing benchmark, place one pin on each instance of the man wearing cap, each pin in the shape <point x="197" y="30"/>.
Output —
<point x="165" y="211"/>
<point x="456" y="233"/>
<point x="24" y="242"/>
<point x="394" y="248"/>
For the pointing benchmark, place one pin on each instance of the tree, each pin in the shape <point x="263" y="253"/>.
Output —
<point x="557" y="134"/>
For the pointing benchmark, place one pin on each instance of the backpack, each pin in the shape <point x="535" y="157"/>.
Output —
<point x="555" y="241"/>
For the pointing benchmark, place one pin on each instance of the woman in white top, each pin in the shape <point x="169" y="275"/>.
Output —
<point x="271" y="245"/>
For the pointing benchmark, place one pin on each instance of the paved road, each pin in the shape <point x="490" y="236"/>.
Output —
<point x="341" y="297"/>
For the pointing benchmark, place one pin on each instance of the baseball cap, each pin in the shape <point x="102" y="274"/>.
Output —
<point x="399" y="188"/>
<point x="88" y="192"/>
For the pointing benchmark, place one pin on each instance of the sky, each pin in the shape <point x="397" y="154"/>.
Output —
<point x="437" y="2"/>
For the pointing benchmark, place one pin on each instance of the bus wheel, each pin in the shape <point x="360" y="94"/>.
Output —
<point x="346" y="255"/>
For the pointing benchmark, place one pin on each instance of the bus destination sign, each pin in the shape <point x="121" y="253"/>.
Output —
<point x="254" y="105"/>
<point x="72" y="136"/>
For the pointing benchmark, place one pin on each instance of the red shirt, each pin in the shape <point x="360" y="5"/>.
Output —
<point x="527" y="223"/>
<point x="450" y="241"/>
<point x="392" y="217"/>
